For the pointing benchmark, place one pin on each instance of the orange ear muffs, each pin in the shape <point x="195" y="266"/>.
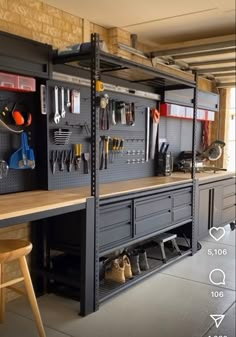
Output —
<point x="18" y="118"/>
<point x="29" y="120"/>
<point x="20" y="115"/>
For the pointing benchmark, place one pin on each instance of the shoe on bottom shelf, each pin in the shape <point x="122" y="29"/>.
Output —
<point x="127" y="266"/>
<point x="134" y="261"/>
<point x="143" y="261"/>
<point x="116" y="272"/>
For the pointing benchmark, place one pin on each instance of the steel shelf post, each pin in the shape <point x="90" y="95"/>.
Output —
<point x="193" y="171"/>
<point x="95" y="75"/>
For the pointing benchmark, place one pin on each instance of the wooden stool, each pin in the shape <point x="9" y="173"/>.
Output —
<point x="17" y="250"/>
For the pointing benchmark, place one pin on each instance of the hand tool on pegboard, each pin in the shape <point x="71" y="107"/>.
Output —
<point x="23" y="158"/>
<point x="147" y="136"/>
<point x="106" y="146"/>
<point x="101" y="153"/>
<point x="110" y="146"/>
<point x="57" y="115"/>
<point x="3" y="169"/>
<point x="68" y="103"/>
<point x="86" y="157"/>
<point x="121" y="146"/>
<point x="112" y="110"/>
<point x="78" y="153"/>
<point x="54" y="158"/>
<point x="62" y="160"/>
<point x="70" y="160"/>
<point x="155" y="119"/>
<point x="104" y="112"/>
<point x="63" y="111"/>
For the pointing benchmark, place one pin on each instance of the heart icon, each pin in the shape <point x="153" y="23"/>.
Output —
<point x="217" y="233"/>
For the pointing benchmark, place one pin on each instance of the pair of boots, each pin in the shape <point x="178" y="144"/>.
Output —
<point x="120" y="270"/>
<point x="139" y="261"/>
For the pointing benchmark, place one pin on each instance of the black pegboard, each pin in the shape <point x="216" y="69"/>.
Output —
<point x="16" y="180"/>
<point x="134" y="137"/>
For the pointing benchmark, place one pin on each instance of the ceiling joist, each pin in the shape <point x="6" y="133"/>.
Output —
<point x="214" y="70"/>
<point x="224" y="74"/>
<point x="207" y="63"/>
<point x="204" y="53"/>
<point x="225" y="45"/>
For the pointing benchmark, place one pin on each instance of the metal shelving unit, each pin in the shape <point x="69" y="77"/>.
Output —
<point x="98" y="63"/>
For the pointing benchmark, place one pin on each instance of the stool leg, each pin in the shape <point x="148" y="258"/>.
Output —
<point x="163" y="252"/>
<point x="176" y="246"/>
<point x="2" y="295"/>
<point x="31" y="295"/>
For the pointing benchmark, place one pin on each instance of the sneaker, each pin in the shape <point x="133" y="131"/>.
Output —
<point x="116" y="272"/>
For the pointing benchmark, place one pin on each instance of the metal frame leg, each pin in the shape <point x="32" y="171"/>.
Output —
<point x="87" y="297"/>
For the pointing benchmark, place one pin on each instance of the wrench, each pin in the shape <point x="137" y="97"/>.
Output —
<point x="57" y="116"/>
<point x="63" y="111"/>
<point x="68" y="104"/>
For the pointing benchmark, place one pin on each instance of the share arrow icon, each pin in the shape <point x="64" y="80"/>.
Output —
<point x="217" y="319"/>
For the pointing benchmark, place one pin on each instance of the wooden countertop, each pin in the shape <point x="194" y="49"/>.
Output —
<point x="141" y="184"/>
<point x="205" y="176"/>
<point x="25" y="203"/>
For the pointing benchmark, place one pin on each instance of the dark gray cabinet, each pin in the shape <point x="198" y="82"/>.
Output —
<point x="216" y="205"/>
<point x="115" y="224"/>
<point x="206" y="100"/>
<point x="152" y="214"/>
<point x="24" y="56"/>
<point x="229" y="198"/>
<point x="182" y="205"/>
<point x="122" y="222"/>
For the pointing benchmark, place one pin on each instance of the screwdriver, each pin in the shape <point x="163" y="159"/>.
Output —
<point x="78" y="152"/>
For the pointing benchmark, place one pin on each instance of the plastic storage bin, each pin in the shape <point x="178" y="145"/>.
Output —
<point x="16" y="82"/>
<point x="26" y="83"/>
<point x="8" y="81"/>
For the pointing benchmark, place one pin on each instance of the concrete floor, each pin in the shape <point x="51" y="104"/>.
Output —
<point x="174" y="303"/>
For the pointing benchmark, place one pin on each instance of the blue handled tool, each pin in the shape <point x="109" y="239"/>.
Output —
<point x="23" y="158"/>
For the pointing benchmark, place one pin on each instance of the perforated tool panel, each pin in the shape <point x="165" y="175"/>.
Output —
<point x="16" y="180"/>
<point x="134" y="144"/>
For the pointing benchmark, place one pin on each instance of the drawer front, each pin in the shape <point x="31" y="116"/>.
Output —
<point x="182" y="213"/>
<point x="112" y="236"/>
<point x="229" y="201"/>
<point x="230" y="189"/>
<point x="150" y="206"/>
<point x="183" y="198"/>
<point x="115" y="214"/>
<point x="228" y="214"/>
<point x="153" y="224"/>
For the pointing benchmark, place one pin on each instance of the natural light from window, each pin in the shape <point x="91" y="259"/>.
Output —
<point x="230" y="158"/>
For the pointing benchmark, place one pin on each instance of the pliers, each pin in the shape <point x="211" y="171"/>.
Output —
<point x="54" y="157"/>
<point x="62" y="160"/>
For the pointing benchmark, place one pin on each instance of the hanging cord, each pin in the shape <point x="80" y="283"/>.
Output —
<point x="9" y="128"/>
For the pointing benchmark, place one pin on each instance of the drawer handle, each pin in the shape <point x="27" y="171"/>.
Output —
<point x="169" y="196"/>
<point x="129" y="222"/>
<point x="169" y="210"/>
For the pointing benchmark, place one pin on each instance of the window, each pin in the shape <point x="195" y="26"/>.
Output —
<point x="230" y="132"/>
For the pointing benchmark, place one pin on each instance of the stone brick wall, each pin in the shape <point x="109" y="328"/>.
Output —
<point x="38" y="21"/>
